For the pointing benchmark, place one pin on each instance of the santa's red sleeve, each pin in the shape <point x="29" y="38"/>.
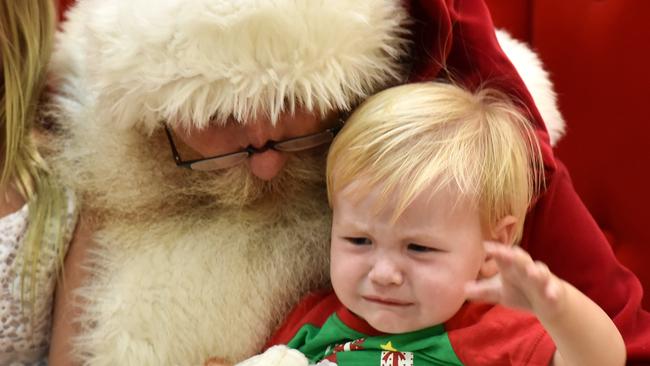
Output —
<point x="559" y="230"/>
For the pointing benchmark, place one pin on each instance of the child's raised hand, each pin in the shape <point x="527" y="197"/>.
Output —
<point x="521" y="282"/>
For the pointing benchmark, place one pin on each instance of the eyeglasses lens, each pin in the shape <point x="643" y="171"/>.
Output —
<point x="221" y="162"/>
<point x="305" y="143"/>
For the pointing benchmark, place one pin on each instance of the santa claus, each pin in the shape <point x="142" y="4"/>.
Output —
<point x="195" y="133"/>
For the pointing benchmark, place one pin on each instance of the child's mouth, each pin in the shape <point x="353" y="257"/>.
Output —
<point x="386" y="301"/>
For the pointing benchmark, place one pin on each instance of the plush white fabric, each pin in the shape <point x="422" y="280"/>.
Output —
<point x="277" y="356"/>
<point x="188" y="61"/>
<point x="537" y="80"/>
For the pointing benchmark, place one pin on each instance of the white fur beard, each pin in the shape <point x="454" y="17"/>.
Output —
<point x="187" y="266"/>
<point x="178" y="291"/>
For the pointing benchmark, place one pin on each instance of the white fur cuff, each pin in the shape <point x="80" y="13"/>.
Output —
<point x="277" y="356"/>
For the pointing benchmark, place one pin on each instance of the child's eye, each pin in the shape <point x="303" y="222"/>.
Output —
<point x="359" y="241"/>
<point x="420" y="248"/>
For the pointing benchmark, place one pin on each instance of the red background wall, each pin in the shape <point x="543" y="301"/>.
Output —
<point x="598" y="54"/>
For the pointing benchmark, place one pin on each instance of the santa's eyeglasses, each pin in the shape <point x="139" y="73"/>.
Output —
<point x="224" y="161"/>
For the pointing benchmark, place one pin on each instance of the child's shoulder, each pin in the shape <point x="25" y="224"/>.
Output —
<point x="315" y="309"/>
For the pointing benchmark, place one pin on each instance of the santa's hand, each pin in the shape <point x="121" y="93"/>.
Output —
<point x="521" y="282"/>
<point x="277" y="356"/>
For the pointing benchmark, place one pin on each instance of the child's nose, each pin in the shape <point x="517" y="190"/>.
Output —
<point x="386" y="272"/>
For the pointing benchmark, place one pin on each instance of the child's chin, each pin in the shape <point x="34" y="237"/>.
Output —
<point x="391" y="326"/>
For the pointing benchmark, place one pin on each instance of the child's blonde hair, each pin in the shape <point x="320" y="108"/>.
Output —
<point x="414" y="137"/>
<point x="26" y="31"/>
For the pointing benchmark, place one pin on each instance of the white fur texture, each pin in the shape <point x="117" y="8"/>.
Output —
<point x="178" y="292"/>
<point x="192" y="62"/>
<point x="538" y="82"/>
<point x="178" y="277"/>
<point x="279" y="355"/>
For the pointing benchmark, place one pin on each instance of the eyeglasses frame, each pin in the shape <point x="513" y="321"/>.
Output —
<point x="270" y="145"/>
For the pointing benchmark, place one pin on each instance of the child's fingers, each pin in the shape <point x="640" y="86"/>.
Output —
<point x="487" y="290"/>
<point x="496" y="250"/>
<point x="510" y="260"/>
<point x="502" y="258"/>
<point x="544" y="280"/>
<point x="525" y="283"/>
<point x="553" y="290"/>
<point x="538" y="271"/>
<point x="517" y="267"/>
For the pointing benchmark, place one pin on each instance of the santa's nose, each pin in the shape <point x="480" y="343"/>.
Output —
<point x="261" y="131"/>
<point x="267" y="164"/>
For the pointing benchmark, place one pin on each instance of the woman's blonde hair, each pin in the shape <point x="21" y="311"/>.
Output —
<point x="433" y="135"/>
<point x="26" y="32"/>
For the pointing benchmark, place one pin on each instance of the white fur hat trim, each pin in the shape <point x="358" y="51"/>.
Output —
<point x="190" y="62"/>
<point x="537" y="80"/>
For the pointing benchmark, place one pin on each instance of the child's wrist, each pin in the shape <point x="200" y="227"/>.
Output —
<point x="553" y="308"/>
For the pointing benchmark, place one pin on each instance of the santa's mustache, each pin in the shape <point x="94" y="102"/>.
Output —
<point x="237" y="187"/>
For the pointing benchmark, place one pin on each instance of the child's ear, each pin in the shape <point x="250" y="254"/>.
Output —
<point x="503" y="233"/>
<point x="504" y="230"/>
